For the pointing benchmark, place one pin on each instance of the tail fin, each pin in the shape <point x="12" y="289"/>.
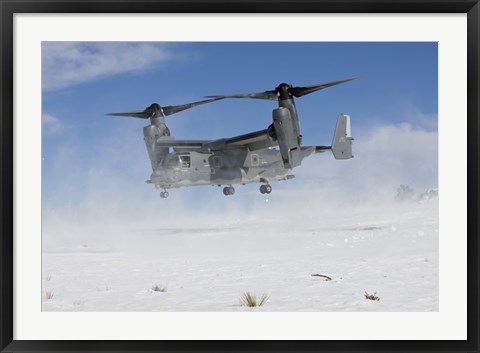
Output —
<point x="342" y="140"/>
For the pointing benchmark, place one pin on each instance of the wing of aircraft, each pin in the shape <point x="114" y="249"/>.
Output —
<point x="182" y="143"/>
<point x="253" y="141"/>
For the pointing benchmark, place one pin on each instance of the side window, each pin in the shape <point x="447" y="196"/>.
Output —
<point x="185" y="161"/>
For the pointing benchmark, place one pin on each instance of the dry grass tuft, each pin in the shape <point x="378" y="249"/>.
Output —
<point x="105" y="288"/>
<point x="251" y="300"/>
<point x="371" y="296"/>
<point x="158" y="288"/>
<point x="49" y="295"/>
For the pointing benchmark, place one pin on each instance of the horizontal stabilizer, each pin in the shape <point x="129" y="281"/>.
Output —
<point x="320" y="149"/>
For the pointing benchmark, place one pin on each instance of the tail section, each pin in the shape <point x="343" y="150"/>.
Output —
<point x="342" y="140"/>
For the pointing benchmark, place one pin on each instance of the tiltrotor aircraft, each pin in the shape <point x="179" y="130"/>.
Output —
<point x="257" y="157"/>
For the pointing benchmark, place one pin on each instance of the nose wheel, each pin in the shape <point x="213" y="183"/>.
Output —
<point x="228" y="190"/>
<point x="266" y="189"/>
<point x="164" y="194"/>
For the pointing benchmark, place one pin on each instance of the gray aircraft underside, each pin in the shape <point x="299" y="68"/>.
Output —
<point x="189" y="168"/>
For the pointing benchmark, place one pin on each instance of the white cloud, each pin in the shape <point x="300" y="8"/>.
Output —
<point x="66" y="64"/>
<point x="384" y="157"/>
<point x="416" y="117"/>
<point x="429" y="121"/>
<point x="51" y="125"/>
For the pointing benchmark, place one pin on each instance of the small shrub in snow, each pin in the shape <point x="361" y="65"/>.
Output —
<point x="427" y="195"/>
<point x="105" y="288"/>
<point x="404" y="193"/>
<point x="157" y="288"/>
<point x="48" y="295"/>
<point x="251" y="300"/>
<point x="371" y="296"/>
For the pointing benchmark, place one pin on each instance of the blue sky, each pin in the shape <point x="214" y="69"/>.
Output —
<point x="92" y="162"/>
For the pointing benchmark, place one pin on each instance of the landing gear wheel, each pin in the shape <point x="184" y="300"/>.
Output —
<point x="228" y="190"/>
<point x="266" y="189"/>
<point x="164" y="194"/>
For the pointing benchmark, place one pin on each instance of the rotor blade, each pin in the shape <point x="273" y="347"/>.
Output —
<point x="272" y="95"/>
<point x="294" y="91"/>
<point x="172" y="109"/>
<point x="155" y="110"/>
<point x="302" y="91"/>
<point x="139" y="114"/>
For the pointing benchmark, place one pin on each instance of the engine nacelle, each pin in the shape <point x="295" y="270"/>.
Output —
<point x="286" y="137"/>
<point x="156" y="153"/>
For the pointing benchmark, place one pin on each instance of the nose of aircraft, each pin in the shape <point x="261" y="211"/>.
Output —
<point x="164" y="175"/>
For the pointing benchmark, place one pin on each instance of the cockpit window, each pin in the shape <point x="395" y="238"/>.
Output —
<point x="185" y="161"/>
<point x="171" y="161"/>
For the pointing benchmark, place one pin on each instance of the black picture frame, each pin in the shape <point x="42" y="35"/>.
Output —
<point x="10" y="7"/>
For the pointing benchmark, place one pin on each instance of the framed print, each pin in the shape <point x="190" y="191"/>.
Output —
<point x="239" y="176"/>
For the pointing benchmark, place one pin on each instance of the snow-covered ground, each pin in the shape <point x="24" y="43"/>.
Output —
<point x="390" y="250"/>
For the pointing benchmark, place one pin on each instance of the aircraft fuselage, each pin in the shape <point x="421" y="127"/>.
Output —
<point x="234" y="166"/>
